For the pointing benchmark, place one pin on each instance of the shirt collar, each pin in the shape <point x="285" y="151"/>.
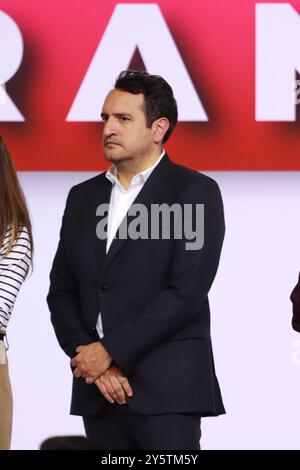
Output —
<point x="141" y="177"/>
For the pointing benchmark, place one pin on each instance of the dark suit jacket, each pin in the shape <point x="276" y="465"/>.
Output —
<point x="295" y="298"/>
<point x="152" y="295"/>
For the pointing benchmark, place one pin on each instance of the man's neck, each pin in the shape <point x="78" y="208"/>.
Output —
<point x="127" y="169"/>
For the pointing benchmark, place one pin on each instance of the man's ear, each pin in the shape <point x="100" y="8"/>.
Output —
<point x="159" y="128"/>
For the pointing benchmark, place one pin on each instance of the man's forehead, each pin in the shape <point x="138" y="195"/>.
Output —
<point x="117" y="98"/>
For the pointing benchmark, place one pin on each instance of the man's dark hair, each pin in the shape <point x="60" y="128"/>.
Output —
<point x="158" y="95"/>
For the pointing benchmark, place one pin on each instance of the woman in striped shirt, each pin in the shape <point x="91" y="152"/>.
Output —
<point x="15" y="258"/>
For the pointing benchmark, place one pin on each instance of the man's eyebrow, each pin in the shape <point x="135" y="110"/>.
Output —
<point x="104" y="115"/>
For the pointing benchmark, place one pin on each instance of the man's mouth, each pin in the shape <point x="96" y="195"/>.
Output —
<point x="109" y="143"/>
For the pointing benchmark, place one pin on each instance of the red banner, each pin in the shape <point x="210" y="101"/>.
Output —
<point x="212" y="46"/>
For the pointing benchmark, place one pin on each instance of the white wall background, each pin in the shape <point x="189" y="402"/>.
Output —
<point x="257" y="353"/>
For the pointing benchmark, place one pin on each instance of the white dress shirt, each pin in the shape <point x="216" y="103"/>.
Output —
<point x="121" y="200"/>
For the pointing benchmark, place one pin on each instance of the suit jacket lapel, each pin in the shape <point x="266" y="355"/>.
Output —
<point x="148" y="195"/>
<point x="102" y="192"/>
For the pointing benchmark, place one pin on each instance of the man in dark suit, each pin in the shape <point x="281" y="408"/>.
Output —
<point x="132" y="311"/>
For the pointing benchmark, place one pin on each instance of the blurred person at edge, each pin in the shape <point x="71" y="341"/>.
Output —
<point x="16" y="246"/>
<point x="295" y="298"/>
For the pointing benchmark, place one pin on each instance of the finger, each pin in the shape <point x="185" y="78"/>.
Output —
<point x="105" y="378"/>
<point x="118" y="389"/>
<point x="124" y="382"/>
<point x="97" y="382"/>
<point x="126" y="386"/>
<point x="81" y="372"/>
<point x="101" y="386"/>
<point x="74" y="361"/>
<point x="79" y="363"/>
<point x="77" y="360"/>
<point x="91" y="379"/>
<point x="90" y="369"/>
<point x="77" y="372"/>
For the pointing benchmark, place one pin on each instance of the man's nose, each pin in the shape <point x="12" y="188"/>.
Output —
<point x="109" y="127"/>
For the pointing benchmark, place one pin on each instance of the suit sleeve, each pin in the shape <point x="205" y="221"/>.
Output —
<point x="179" y="302"/>
<point x="62" y="298"/>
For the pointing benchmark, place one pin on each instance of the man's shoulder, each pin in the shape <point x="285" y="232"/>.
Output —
<point x="89" y="185"/>
<point x="189" y="177"/>
<point x="91" y="182"/>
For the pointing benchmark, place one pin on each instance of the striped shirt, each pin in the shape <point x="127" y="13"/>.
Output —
<point x="13" y="269"/>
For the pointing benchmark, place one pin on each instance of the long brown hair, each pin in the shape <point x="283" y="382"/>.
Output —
<point x="13" y="210"/>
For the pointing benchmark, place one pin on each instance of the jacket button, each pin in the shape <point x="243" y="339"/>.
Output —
<point x="103" y="287"/>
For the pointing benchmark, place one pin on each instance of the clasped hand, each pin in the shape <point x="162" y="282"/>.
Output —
<point x="93" y="362"/>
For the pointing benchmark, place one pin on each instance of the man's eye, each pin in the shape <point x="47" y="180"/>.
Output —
<point x="124" y="119"/>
